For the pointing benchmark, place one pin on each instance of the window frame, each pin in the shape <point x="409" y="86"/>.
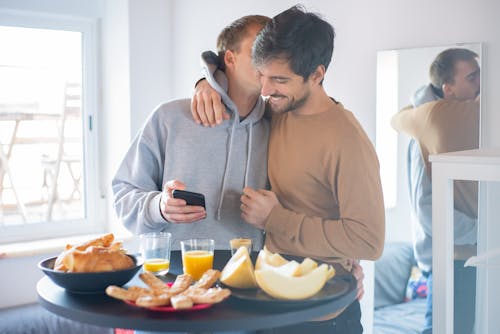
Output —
<point x="93" y="194"/>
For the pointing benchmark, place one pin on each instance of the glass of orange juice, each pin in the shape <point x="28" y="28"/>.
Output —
<point x="155" y="249"/>
<point x="236" y="243"/>
<point x="197" y="256"/>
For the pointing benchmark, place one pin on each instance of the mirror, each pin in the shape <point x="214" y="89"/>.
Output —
<point x="400" y="73"/>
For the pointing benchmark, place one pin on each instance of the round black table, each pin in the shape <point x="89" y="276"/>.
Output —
<point x="231" y="315"/>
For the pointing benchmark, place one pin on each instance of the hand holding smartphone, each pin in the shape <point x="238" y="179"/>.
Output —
<point x="190" y="197"/>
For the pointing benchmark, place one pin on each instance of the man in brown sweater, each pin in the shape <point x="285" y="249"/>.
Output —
<point x="326" y="199"/>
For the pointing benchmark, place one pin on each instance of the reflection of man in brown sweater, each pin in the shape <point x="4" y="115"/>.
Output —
<point x="446" y="125"/>
<point x="444" y="118"/>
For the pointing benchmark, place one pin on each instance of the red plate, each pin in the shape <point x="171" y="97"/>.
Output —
<point x="195" y="307"/>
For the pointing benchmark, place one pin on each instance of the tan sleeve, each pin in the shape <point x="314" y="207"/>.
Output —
<point x="360" y="230"/>
<point x="409" y="121"/>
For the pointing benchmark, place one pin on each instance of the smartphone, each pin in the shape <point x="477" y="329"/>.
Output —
<point x="190" y="197"/>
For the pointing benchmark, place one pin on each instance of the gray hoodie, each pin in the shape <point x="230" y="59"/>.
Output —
<point x="217" y="162"/>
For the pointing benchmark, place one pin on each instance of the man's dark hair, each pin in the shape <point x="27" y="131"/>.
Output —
<point x="231" y="36"/>
<point x="303" y="39"/>
<point x="442" y="69"/>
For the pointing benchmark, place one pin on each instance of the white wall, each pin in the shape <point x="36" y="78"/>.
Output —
<point x="136" y="56"/>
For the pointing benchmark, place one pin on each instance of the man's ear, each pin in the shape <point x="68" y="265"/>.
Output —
<point x="229" y="58"/>
<point x="447" y="90"/>
<point x="318" y="75"/>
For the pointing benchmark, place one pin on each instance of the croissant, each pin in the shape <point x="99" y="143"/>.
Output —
<point x="96" y="255"/>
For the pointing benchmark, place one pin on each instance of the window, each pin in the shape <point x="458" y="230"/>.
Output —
<point x="47" y="138"/>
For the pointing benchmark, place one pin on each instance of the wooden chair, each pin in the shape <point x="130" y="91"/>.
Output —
<point x="52" y="164"/>
<point x="16" y="113"/>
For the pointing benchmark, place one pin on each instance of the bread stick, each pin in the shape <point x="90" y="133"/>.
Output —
<point x="132" y="293"/>
<point x="181" y="283"/>
<point x="207" y="296"/>
<point x="181" y="302"/>
<point x="154" y="283"/>
<point x="208" y="279"/>
<point x="153" y="300"/>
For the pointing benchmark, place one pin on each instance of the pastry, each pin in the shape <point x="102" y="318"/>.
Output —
<point x="96" y="255"/>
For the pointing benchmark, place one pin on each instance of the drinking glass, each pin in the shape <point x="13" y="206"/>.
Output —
<point x="155" y="249"/>
<point x="197" y="256"/>
<point x="236" y="243"/>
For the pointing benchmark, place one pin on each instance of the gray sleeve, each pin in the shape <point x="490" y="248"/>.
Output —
<point x="137" y="185"/>
<point x="465" y="227"/>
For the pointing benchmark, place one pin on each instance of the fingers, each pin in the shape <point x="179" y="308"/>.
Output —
<point x="220" y="111"/>
<point x="177" y="205"/>
<point x="206" y="105"/>
<point x="202" y="114"/>
<point x="209" y="111"/>
<point x="174" y="184"/>
<point x="266" y="193"/>
<point x="185" y="218"/>
<point x="194" y="110"/>
<point x="358" y="273"/>
<point x="176" y="211"/>
<point x="251" y="193"/>
<point x="360" y="294"/>
<point x="170" y="185"/>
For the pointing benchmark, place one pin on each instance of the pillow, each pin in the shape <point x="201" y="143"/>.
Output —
<point x="392" y="272"/>
<point x="417" y="285"/>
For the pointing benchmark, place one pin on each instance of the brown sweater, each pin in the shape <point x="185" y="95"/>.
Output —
<point x="325" y="173"/>
<point x="445" y="126"/>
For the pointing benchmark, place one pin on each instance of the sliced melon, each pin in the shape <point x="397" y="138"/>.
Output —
<point x="306" y="266"/>
<point x="331" y="272"/>
<point x="280" y="286"/>
<point x="238" y="271"/>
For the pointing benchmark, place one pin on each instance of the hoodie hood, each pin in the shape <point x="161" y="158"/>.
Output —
<point x="423" y="95"/>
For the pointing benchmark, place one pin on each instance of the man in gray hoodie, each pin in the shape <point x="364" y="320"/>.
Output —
<point x="173" y="152"/>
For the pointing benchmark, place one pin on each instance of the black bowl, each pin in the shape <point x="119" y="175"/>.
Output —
<point x="89" y="282"/>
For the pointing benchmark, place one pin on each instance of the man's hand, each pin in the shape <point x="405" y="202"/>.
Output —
<point x="357" y="272"/>
<point x="175" y="210"/>
<point x="206" y="105"/>
<point x="256" y="205"/>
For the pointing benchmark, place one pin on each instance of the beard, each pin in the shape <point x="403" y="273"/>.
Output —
<point x="292" y="105"/>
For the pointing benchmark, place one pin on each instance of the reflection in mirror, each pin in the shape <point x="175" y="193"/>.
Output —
<point x="400" y="75"/>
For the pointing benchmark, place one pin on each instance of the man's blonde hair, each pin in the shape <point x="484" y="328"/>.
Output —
<point x="231" y="36"/>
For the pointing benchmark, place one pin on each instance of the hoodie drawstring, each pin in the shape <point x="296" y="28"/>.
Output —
<point x="218" y="81"/>
<point x="249" y="153"/>
<point x="226" y="169"/>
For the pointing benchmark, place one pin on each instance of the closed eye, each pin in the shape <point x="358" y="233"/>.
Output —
<point x="280" y="80"/>
<point x="473" y="76"/>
